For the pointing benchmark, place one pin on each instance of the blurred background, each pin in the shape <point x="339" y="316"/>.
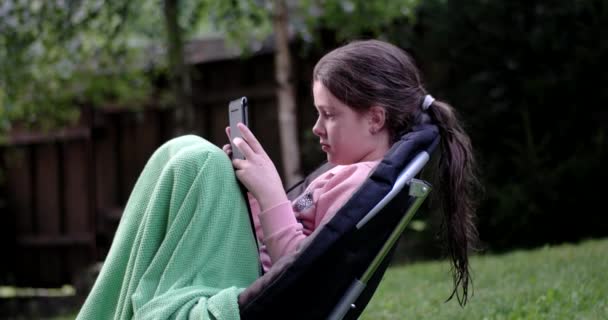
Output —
<point x="89" y="88"/>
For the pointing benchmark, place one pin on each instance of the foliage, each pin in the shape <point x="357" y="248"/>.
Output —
<point x="519" y="74"/>
<point x="352" y="19"/>
<point x="525" y="78"/>
<point x="57" y="54"/>
<point x="246" y="23"/>
<point x="554" y="282"/>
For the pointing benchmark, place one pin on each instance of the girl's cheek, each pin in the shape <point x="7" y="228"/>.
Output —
<point x="328" y="130"/>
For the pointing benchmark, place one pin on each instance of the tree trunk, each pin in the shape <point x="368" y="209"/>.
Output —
<point x="288" y="126"/>
<point x="178" y="71"/>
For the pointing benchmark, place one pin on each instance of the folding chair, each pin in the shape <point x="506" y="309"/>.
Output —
<point x="335" y="272"/>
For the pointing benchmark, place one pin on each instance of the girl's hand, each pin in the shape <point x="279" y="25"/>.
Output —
<point x="228" y="150"/>
<point x="257" y="172"/>
<point x="228" y="147"/>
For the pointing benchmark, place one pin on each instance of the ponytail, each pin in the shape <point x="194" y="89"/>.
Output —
<point x="458" y="187"/>
<point x="368" y="73"/>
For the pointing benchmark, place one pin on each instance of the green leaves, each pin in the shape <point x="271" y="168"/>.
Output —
<point x="53" y="52"/>
<point x="245" y="22"/>
<point x="354" y="18"/>
<point x="57" y="54"/>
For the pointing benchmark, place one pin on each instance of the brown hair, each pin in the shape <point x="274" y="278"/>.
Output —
<point x="368" y="73"/>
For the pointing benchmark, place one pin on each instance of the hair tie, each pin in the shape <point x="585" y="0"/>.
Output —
<point x="428" y="100"/>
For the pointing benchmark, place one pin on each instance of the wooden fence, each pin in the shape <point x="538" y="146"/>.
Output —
<point x="64" y="192"/>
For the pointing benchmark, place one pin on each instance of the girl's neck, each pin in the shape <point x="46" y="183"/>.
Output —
<point x="382" y="147"/>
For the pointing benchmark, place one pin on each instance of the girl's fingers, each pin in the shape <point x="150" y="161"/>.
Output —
<point x="228" y="133"/>
<point x="244" y="147"/>
<point x="250" y="138"/>
<point x="227" y="149"/>
<point x="238" y="164"/>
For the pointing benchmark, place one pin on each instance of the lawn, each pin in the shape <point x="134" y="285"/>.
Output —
<point x="558" y="282"/>
<point x="561" y="282"/>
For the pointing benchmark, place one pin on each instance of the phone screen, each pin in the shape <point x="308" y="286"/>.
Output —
<point x="237" y="112"/>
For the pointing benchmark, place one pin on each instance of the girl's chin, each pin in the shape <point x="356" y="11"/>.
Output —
<point x="336" y="161"/>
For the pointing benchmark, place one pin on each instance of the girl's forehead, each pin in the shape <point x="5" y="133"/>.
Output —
<point x="323" y="98"/>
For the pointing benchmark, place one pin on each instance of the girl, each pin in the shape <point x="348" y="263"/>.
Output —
<point x="183" y="247"/>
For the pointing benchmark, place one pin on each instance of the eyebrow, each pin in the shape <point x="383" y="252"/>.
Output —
<point x="324" y="107"/>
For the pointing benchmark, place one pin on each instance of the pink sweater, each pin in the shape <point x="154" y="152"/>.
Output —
<point x="282" y="228"/>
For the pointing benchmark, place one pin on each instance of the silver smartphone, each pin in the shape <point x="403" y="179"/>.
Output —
<point x="237" y="112"/>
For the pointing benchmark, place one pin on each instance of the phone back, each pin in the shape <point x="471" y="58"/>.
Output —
<point x="237" y="112"/>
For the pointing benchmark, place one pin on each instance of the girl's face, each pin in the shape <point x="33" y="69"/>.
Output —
<point x="347" y="136"/>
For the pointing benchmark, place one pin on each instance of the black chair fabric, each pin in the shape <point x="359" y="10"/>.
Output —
<point x="309" y="283"/>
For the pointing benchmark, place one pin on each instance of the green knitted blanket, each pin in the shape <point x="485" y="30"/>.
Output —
<point x="184" y="248"/>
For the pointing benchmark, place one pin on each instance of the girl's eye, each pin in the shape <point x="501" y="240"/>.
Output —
<point x="324" y="114"/>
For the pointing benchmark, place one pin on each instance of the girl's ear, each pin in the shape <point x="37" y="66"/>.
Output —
<point x="376" y="119"/>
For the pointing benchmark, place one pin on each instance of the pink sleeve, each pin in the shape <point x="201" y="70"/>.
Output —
<point x="284" y="233"/>
<point x="263" y="250"/>
<point x="255" y="214"/>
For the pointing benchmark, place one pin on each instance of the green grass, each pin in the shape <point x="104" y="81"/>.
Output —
<point x="560" y="282"/>
<point x="567" y="282"/>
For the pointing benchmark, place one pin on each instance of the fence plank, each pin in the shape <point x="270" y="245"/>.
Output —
<point x="126" y="155"/>
<point x="17" y="167"/>
<point x="107" y="195"/>
<point x="64" y="202"/>
<point x="77" y="193"/>
<point x="148" y="137"/>
<point x="76" y="187"/>
<point x="106" y="173"/>
<point x="19" y="179"/>
<point x="47" y="209"/>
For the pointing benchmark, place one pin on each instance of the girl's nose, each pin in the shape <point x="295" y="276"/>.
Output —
<point x="317" y="129"/>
